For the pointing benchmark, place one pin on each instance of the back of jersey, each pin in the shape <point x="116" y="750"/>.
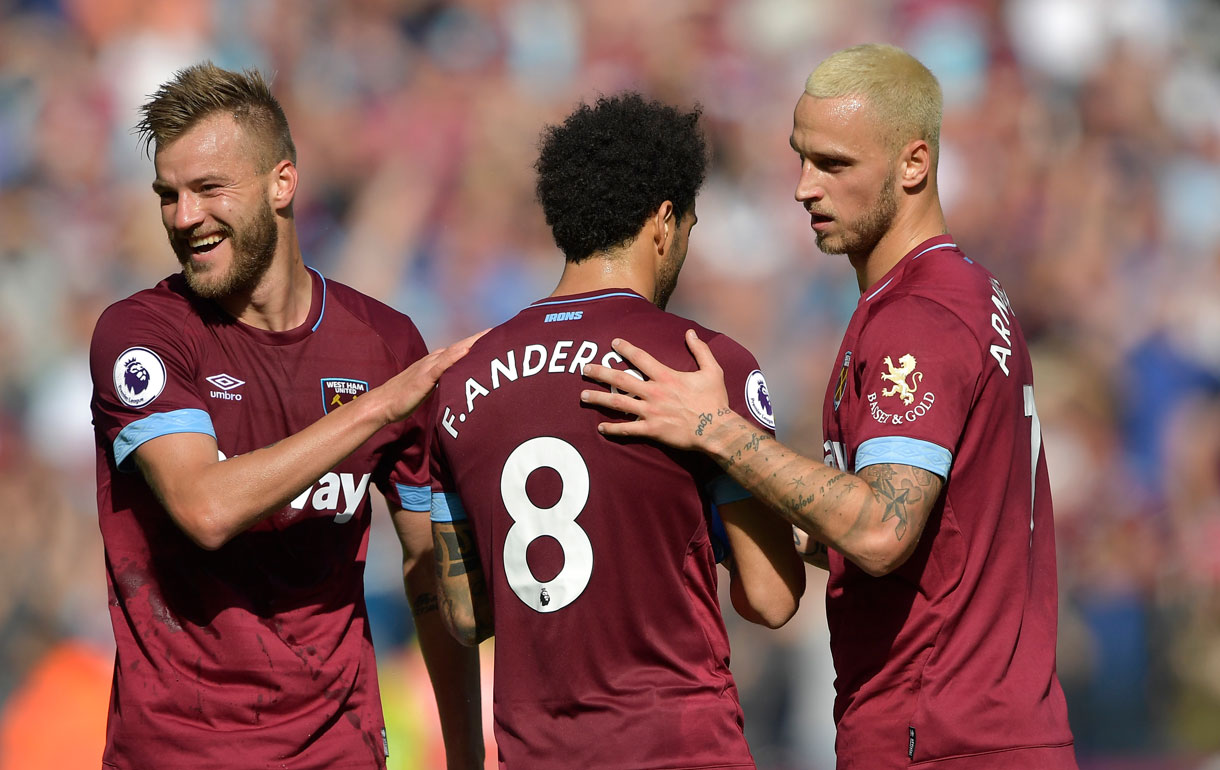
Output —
<point x="610" y="647"/>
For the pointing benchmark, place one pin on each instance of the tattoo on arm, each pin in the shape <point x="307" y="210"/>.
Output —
<point x="454" y="553"/>
<point x="899" y="489"/>
<point x="457" y="557"/>
<point x="423" y="604"/>
<point x="750" y="447"/>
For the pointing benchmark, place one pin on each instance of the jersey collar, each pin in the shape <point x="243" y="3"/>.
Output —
<point x="935" y="243"/>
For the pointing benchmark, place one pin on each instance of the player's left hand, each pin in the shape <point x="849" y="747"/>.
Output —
<point x="675" y="408"/>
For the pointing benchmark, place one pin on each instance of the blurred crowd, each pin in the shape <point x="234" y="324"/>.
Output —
<point x="1080" y="163"/>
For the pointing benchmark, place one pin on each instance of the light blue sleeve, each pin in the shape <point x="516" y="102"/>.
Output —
<point x="154" y="425"/>
<point x="414" y="498"/>
<point x="447" y="507"/>
<point x="901" y="450"/>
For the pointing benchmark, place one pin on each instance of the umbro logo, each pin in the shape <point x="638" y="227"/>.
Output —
<point x="225" y="382"/>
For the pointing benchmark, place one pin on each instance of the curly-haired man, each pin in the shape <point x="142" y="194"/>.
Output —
<point x="590" y="560"/>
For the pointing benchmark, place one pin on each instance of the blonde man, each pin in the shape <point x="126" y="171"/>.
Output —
<point x="932" y="494"/>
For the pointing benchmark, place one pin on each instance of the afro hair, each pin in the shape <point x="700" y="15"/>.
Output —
<point x="608" y="166"/>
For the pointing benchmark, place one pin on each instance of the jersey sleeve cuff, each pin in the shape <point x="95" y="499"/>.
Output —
<point x="155" y="425"/>
<point x="447" y="508"/>
<point x="901" y="450"/>
<point x="414" y="498"/>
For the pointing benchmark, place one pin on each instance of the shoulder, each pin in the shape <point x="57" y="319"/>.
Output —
<point x="393" y="326"/>
<point x="167" y="307"/>
<point x="942" y="293"/>
<point x="729" y="352"/>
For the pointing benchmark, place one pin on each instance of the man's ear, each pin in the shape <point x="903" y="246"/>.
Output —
<point x="664" y="225"/>
<point x="283" y="185"/>
<point x="916" y="164"/>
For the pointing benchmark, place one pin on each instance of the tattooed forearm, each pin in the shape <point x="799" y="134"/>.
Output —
<point x="753" y="445"/>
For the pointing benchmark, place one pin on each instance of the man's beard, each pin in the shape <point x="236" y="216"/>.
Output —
<point x="667" y="279"/>
<point x="866" y="232"/>
<point x="253" y="246"/>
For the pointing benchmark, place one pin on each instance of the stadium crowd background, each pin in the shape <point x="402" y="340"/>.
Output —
<point x="1080" y="162"/>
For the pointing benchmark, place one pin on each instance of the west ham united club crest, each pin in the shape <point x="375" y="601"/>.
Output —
<point x="841" y="385"/>
<point x="337" y="391"/>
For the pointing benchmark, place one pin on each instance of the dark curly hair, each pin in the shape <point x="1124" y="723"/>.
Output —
<point x="607" y="167"/>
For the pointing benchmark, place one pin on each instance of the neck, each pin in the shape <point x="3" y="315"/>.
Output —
<point x="608" y="270"/>
<point x="283" y="296"/>
<point x="912" y="225"/>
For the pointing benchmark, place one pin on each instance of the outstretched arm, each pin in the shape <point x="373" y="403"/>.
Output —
<point x="212" y="501"/>
<point x="874" y="518"/>
<point x="766" y="579"/>
<point x="453" y="668"/>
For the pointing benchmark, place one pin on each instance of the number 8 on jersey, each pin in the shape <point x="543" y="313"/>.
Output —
<point x="559" y="522"/>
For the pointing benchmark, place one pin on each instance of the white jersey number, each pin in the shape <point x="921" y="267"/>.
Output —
<point x="559" y="522"/>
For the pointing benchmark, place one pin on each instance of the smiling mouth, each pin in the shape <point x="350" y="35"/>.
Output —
<point x="205" y="243"/>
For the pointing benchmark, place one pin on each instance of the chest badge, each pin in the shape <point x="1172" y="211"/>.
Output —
<point x="337" y="391"/>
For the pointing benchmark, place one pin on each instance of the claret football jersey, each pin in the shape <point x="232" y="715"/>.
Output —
<point x="258" y="654"/>
<point x="949" y="660"/>
<point x="610" y="649"/>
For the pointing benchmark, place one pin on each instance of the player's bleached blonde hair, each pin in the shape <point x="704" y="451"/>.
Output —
<point x="203" y="90"/>
<point x="904" y="95"/>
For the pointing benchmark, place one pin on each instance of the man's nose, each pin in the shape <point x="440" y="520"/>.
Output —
<point x="187" y="212"/>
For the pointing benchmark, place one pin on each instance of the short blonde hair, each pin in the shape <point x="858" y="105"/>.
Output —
<point x="903" y="94"/>
<point x="204" y="90"/>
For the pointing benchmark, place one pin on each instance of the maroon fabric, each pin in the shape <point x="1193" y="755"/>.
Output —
<point x="611" y="652"/>
<point x="258" y="654"/>
<point x="958" y="644"/>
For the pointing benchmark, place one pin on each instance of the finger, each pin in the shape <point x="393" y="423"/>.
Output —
<point x="613" y="377"/>
<point x="616" y="401"/>
<point x="469" y="341"/>
<point x="701" y="351"/>
<point x="641" y="359"/>
<point x="629" y="428"/>
<point x="448" y="356"/>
